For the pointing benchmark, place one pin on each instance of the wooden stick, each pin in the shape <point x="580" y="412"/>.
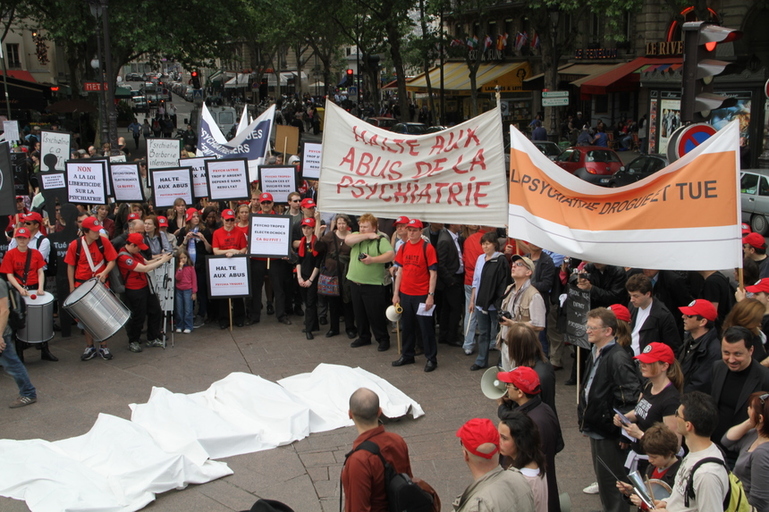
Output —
<point x="579" y="358"/>
<point x="268" y="263"/>
<point x="398" y="332"/>
<point x="229" y="304"/>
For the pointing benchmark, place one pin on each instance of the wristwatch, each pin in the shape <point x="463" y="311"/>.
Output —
<point x="430" y="293"/>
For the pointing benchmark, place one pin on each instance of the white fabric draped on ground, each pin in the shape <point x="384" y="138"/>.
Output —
<point x="120" y="465"/>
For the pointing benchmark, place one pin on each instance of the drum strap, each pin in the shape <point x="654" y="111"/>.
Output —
<point x="94" y="268"/>
<point x="23" y="278"/>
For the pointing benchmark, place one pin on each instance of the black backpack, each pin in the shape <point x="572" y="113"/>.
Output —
<point x="17" y="318"/>
<point x="403" y="495"/>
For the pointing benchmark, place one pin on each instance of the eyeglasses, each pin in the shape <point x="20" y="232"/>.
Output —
<point x="681" y="417"/>
<point x="589" y="328"/>
<point x="519" y="264"/>
<point x="266" y="202"/>
<point x="29" y="223"/>
<point x="229" y="220"/>
<point x="296" y="200"/>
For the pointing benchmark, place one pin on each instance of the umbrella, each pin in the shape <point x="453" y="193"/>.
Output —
<point x="71" y="106"/>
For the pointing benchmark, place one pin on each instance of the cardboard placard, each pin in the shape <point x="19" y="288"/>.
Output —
<point x="85" y="181"/>
<point x="199" y="175"/>
<point x="228" y="179"/>
<point x="54" y="150"/>
<point x="163" y="153"/>
<point x="228" y="277"/>
<point x="126" y="182"/>
<point x="311" y="156"/>
<point x="11" y="131"/>
<point x="269" y="236"/>
<point x="52" y="180"/>
<point x="286" y="139"/>
<point x="278" y="180"/>
<point x="170" y="184"/>
<point x="7" y="187"/>
<point x="577" y="307"/>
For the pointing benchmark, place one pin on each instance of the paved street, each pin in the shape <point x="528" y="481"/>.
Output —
<point x="304" y="475"/>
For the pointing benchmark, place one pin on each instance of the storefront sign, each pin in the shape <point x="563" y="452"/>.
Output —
<point x="664" y="48"/>
<point x="596" y="53"/>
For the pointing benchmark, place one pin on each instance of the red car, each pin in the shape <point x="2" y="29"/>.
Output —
<point x="591" y="163"/>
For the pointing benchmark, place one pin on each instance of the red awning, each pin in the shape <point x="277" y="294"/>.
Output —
<point x="622" y="77"/>
<point x="20" y="74"/>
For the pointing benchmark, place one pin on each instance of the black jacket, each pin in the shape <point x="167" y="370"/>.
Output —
<point x="448" y="260"/>
<point x="543" y="277"/>
<point x="696" y="358"/>
<point x="608" y="286"/>
<point x="494" y="280"/>
<point x="616" y="385"/>
<point x="659" y="326"/>
<point x="757" y="380"/>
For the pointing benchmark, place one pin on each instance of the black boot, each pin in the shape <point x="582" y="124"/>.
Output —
<point x="45" y="353"/>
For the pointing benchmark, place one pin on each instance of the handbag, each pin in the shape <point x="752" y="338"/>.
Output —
<point x="328" y="285"/>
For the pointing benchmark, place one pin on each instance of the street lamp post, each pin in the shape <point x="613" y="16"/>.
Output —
<point x="554" y="17"/>
<point x="99" y="9"/>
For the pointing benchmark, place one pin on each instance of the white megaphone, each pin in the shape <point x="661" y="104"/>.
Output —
<point x="491" y="386"/>
<point x="393" y="313"/>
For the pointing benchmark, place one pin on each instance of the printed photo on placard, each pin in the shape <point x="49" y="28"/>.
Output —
<point x="170" y="184"/>
<point x="199" y="176"/>
<point x="51" y="181"/>
<point x="228" y="277"/>
<point x="278" y="180"/>
<point x="163" y="153"/>
<point x="269" y="236"/>
<point x="126" y="182"/>
<point x="311" y="154"/>
<point x="54" y="150"/>
<point x="228" y="179"/>
<point x="85" y="181"/>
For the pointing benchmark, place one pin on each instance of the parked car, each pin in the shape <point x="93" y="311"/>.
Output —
<point x="382" y="122"/>
<point x="549" y="149"/>
<point x="140" y="104"/>
<point x="590" y="163"/>
<point x="436" y="128"/>
<point x="754" y="198"/>
<point x="410" y="128"/>
<point x="636" y="170"/>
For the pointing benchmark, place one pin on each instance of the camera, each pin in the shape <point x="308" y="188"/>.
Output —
<point x="362" y="256"/>
<point x="504" y="314"/>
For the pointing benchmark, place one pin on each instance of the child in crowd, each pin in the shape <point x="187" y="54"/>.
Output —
<point x="186" y="292"/>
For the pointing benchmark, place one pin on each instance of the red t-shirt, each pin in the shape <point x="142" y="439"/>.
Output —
<point x="411" y="259"/>
<point x="243" y="230"/>
<point x="14" y="262"/>
<point x="226" y="240"/>
<point x="83" y="270"/>
<point x="470" y="252"/>
<point x="127" y="263"/>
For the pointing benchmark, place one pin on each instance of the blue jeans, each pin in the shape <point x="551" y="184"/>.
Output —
<point x="488" y="325"/>
<point x="183" y="309"/>
<point x="469" y="343"/>
<point x="13" y="366"/>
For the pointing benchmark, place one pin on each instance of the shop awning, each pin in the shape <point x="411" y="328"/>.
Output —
<point x="567" y="72"/>
<point x="238" y="81"/>
<point x="20" y="74"/>
<point x="620" y="77"/>
<point x="456" y="77"/>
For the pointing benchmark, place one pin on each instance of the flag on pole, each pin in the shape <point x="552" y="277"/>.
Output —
<point x="502" y="41"/>
<point x="535" y="41"/>
<point x="520" y="40"/>
<point x="244" y="122"/>
<point x="487" y="42"/>
<point x="472" y="42"/>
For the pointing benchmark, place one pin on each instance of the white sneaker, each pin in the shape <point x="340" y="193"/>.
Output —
<point x="591" y="489"/>
<point x="187" y="331"/>
<point x="178" y="330"/>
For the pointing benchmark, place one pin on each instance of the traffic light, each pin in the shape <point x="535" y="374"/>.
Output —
<point x="348" y="79"/>
<point x="195" y="79"/>
<point x="700" y="66"/>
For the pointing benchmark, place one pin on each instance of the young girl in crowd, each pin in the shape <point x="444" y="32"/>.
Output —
<point x="186" y="292"/>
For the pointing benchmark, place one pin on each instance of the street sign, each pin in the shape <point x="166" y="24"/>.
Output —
<point x="93" y="86"/>
<point x="555" y="94"/>
<point x="766" y="89"/>
<point x="692" y="136"/>
<point x="555" y="102"/>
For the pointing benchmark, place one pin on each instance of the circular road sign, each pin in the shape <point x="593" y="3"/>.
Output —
<point x="692" y="136"/>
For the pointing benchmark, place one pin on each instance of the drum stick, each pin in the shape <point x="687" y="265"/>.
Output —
<point x="579" y="358"/>
<point x="268" y="263"/>
<point x="469" y="321"/>
<point x="651" y="491"/>
<point x="229" y="303"/>
<point x="398" y="332"/>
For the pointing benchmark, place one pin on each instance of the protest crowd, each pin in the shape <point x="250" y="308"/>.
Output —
<point x="672" y="370"/>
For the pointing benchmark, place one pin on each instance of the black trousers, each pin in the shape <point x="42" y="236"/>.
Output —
<point x="142" y="304"/>
<point x="254" y="303"/>
<point x="412" y="322"/>
<point x="282" y="284"/>
<point x="452" y="310"/>
<point x="310" y="298"/>
<point x="369" y="303"/>
<point x="337" y="308"/>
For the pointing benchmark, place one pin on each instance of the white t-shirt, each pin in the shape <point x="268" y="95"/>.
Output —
<point x="711" y="483"/>
<point x="643" y="314"/>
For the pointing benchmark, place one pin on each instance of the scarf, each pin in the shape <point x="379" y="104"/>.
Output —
<point x="303" y="244"/>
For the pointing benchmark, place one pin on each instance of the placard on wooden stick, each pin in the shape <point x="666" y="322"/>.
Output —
<point x="85" y="181"/>
<point x="286" y="139"/>
<point x="228" y="277"/>
<point x="126" y="182"/>
<point x="278" y="180"/>
<point x="269" y="236"/>
<point x="170" y="184"/>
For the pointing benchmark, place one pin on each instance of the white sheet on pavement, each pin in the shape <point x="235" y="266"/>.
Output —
<point x="120" y="465"/>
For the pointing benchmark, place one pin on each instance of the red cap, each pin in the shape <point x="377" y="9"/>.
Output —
<point x="754" y="240"/>
<point x="190" y="213"/>
<point x="134" y="216"/>
<point x="91" y="223"/>
<point x="656" y="351"/>
<point x="745" y="228"/>
<point x="307" y="203"/>
<point x="19" y="197"/>
<point x="162" y="222"/>
<point x="522" y="377"/>
<point x="138" y="240"/>
<point x="414" y="223"/>
<point x="309" y="221"/>
<point x="401" y="220"/>
<point x="476" y="432"/>
<point x="265" y="197"/>
<point x="21" y="233"/>
<point x="34" y="217"/>
<point x="707" y="310"/>
<point x="228" y="214"/>
<point x="760" y="286"/>
<point x="621" y="312"/>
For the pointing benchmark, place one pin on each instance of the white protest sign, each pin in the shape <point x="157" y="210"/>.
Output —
<point x="85" y="182"/>
<point x="228" y="277"/>
<point x="170" y="184"/>
<point x="163" y="153"/>
<point x="126" y="182"/>
<point x="199" y="176"/>
<point x="54" y="150"/>
<point x="278" y="180"/>
<point x="52" y="180"/>
<point x="118" y="158"/>
<point x="269" y="236"/>
<point x="11" y="131"/>
<point x="228" y="179"/>
<point x="311" y="156"/>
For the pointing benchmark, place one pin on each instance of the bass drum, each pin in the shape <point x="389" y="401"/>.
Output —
<point x="98" y="309"/>
<point x="39" y="325"/>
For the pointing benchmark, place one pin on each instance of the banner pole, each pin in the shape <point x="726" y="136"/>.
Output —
<point x="229" y="305"/>
<point x="498" y="95"/>
<point x="741" y="279"/>
<point x="268" y="263"/>
<point x="579" y="358"/>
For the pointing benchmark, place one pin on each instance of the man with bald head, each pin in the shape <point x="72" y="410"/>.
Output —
<point x="493" y="489"/>
<point x="134" y="226"/>
<point x="363" y="473"/>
